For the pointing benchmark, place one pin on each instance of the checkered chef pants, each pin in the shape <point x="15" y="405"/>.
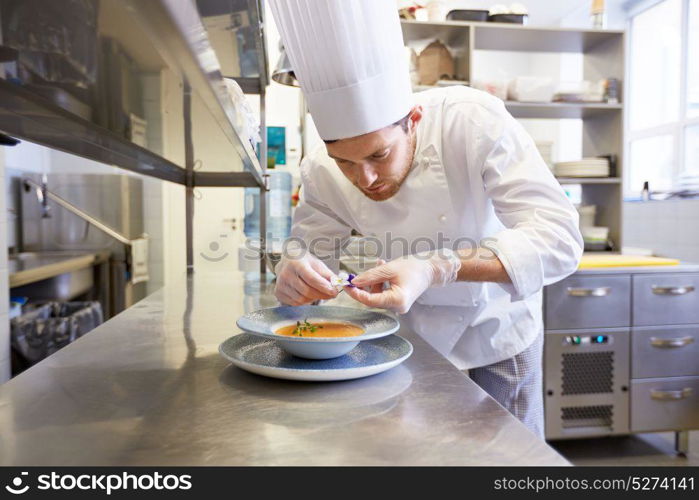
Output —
<point x="517" y="384"/>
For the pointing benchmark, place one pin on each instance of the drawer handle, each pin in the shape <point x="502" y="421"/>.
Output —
<point x="601" y="291"/>
<point x="672" y="290"/>
<point x="678" y="342"/>
<point x="671" y="395"/>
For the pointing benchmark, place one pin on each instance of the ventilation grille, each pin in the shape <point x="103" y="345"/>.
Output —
<point x="587" y="373"/>
<point x="587" y="416"/>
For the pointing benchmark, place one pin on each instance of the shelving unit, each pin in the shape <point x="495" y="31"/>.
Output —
<point x="29" y="116"/>
<point x="230" y="26"/>
<point x="178" y="34"/>
<point x="159" y="34"/>
<point x="560" y="110"/>
<point x="503" y="36"/>
<point x="589" y="180"/>
<point x="220" y="19"/>
<point x="602" y="124"/>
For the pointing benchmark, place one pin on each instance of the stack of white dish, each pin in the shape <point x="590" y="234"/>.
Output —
<point x="586" y="167"/>
<point x="688" y="182"/>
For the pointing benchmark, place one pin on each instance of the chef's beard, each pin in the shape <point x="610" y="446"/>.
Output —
<point x="394" y="183"/>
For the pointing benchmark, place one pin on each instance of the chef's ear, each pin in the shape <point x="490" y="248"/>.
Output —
<point x="414" y="117"/>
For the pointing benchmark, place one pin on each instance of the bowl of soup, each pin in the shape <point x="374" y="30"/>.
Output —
<point x="307" y="331"/>
<point x="318" y="332"/>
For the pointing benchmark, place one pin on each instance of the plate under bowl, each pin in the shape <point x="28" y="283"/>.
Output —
<point x="265" y="322"/>
<point x="316" y="350"/>
<point x="266" y="357"/>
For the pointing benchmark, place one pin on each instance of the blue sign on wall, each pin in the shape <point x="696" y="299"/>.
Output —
<point x="276" y="144"/>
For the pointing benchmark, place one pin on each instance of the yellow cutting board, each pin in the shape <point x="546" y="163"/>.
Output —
<point x="591" y="261"/>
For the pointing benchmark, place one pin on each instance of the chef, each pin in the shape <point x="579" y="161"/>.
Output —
<point x="468" y="220"/>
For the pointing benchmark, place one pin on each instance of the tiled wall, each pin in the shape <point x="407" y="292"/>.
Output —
<point x="23" y="158"/>
<point x="670" y="228"/>
<point x="153" y="188"/>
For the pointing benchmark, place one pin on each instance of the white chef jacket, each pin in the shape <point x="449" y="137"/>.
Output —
<point x="476" y="174"/>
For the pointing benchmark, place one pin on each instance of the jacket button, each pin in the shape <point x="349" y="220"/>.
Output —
<point x="442" y="218"/>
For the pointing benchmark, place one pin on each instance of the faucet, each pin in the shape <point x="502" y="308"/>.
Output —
<point x="42" y="196"/>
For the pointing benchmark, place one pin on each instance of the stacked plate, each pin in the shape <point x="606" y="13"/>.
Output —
<point x="586" y="167"/>
<point x="307" y="355"/>
<point x="688" y="182"/>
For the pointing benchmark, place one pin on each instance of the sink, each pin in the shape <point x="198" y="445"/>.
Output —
<point x="31" y="260"/>
<point x="53" y="275"/>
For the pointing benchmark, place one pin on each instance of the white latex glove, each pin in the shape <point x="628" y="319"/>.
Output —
<point x="302" y="280"/>
<point x="408" y="277"/>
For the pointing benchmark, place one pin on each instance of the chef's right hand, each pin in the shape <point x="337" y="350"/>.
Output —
<point x="302" y="280"/>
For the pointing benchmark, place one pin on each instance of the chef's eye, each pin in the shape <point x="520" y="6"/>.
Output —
<point x="381" y="155"/>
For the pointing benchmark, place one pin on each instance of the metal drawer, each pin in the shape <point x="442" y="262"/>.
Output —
<point x="661" y="404"/>
<point x="589" y="302"/>
<point x="665" y="299"/>
<point x="671" y="351"/>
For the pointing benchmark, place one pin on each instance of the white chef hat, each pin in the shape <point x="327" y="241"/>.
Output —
<point x="349" y="58"/>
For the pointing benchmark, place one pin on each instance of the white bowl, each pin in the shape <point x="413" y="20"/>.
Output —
<point x="265" y="323"/>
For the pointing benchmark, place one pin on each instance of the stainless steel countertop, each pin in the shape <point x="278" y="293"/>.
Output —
<point x="682" y="267"/>
<point x="149" y="388"/>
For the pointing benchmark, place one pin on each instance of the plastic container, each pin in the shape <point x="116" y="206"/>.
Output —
<point x="278" y="208"/>
<point x="508" y="18"/>
<point x="38" y="333"/>
<point x="531" y="89"/>
<point x="496" y="87"/>
<point x="16" y="304"/>
<point x="251" y="221"/>
<point x="595" y="234"/>
<point x="595" y="238"/>
<point x="587" y="216"/>
<point x="468" y="15"/>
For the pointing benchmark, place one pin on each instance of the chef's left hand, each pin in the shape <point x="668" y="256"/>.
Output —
<point x="408" y="277"/>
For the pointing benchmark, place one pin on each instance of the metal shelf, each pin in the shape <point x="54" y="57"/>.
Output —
<point x="510" y="37"/>
<point x="589" y="180"/>
<point x="501" y="36"/>
<point x="249" y="85"/>
<point x="233" y="26"/>
<point x="560" y="109"/>
<point x="29" y="116"/>
<point x="224" y="179"/>
<point x="178" y="35"/>
<point x="602" y="56"/>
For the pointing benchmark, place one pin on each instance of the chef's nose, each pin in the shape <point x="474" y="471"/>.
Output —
<point x="367" y="175"/>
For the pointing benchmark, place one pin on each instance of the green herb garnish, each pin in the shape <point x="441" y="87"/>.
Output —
<point x="305" y="327"/>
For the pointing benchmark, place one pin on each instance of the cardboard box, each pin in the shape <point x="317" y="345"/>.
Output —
<point x="435" y="63"/>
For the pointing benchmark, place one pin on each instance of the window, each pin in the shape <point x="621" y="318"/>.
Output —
<point x="663" y="102"/>
<point x="693" y="62"/>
